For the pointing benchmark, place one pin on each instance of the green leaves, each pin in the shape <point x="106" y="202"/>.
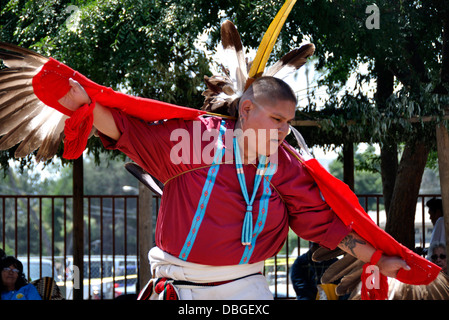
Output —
<point x="149" y="48"/>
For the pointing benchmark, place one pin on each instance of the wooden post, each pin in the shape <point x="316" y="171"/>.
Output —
<point x="78" y="227"/>
<point x="443" y="164"/>
<point x="145" y="233"/>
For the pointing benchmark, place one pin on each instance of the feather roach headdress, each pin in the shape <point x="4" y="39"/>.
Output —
<point x="224" y="91"/>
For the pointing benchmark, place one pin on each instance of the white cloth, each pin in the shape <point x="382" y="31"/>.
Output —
<point x="254" y="287"/>
<point x="438" y="233"/>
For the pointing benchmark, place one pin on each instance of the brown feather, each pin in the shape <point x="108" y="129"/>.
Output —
<point x="13" y="120"/>
<point x="324" y="254"/>
<point x="350" y="281"/>
<point x="291" y="62"/>
<point x="436" y="290"/>
<point x="19" y="57"/>
<point x="16" y="134"/>
<point x="10" y="97"/>
<point x="234" y="55"/>
<point x="51" y="142"/>
<point x="219" y="95"/>
<point x="42" y="130"/>
<point x="16" y="75"/>
<point x="15" y="103"/>
<point x="339" y="269"/>
<point x="24" y="118"/>
<point x="16" y="85"/>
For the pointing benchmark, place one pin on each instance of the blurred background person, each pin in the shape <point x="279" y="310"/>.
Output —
<point x="13" y="284"/>
<point x="437" y="254"/>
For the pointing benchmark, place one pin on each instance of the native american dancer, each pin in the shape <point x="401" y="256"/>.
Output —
<point x="232" y="184"/>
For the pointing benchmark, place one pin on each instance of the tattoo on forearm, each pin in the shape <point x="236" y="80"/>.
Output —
<point x="350" y="242"/>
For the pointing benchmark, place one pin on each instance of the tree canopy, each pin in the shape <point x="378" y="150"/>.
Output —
<point x="155" y="49"/>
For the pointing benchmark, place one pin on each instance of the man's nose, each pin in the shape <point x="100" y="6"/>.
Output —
<point x="284" y="129"/>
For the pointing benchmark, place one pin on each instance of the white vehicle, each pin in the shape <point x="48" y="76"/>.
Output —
<point x="38" y="268"/>
<point x="104" y="277"/>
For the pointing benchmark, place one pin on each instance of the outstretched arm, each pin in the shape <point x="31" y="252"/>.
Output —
<point x="362" y="250"/>
<point x="103" y="119"/>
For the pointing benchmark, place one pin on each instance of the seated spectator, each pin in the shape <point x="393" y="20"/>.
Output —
<point x="436" y="217"/>
<point x="437" y="253"/>
<point x="306" y="276"/>
<point x="13" y="284"/>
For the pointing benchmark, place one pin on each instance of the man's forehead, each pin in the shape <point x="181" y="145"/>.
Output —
<point x="282" y="108"/>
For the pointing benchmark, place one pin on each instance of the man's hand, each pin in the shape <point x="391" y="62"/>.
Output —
<point x="362" y="250"/>
<point x="389" y="266"/>
<point x="76" y="97"/>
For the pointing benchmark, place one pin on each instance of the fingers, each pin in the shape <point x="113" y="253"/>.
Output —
<point x="79" y="91"/>
<point x="74" y="84"/>
<point x="405" y="266"/>
<point x="390" y="265"/>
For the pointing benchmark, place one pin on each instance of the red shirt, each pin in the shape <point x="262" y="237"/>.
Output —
<point x="295" y="200"/>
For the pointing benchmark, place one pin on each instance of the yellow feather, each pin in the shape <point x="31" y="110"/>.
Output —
<point x="268" y="41"/>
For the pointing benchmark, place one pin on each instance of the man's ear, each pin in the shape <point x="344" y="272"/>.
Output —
<point x="245" y="108"/>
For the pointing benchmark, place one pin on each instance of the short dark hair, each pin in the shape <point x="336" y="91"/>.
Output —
<point x="435" y="204"/>
<point x="8" y="261"/>
<point x="269" y="88"/>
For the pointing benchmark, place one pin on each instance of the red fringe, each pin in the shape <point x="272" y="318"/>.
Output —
<point x="77" y="130"/>
<point x="374" y="284"/>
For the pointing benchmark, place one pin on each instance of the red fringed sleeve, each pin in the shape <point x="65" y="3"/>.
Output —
<point x="51" y="84"/>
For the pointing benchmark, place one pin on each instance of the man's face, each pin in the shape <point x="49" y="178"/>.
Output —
<point x="434" y="215"/>
<point x="439" y="258"/>
<point x="270" y="123"/>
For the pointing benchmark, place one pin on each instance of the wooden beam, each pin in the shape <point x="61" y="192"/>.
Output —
<point x="443" y="164"/>
<point x="317" y="123"/>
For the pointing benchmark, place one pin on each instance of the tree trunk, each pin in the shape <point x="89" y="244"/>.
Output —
<point x="401" y="216"/>
<point x="348" y="164"/>
<point x="389" y="149"/>
<point x="443" y="164"/>
<point x="388" y="169"/>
